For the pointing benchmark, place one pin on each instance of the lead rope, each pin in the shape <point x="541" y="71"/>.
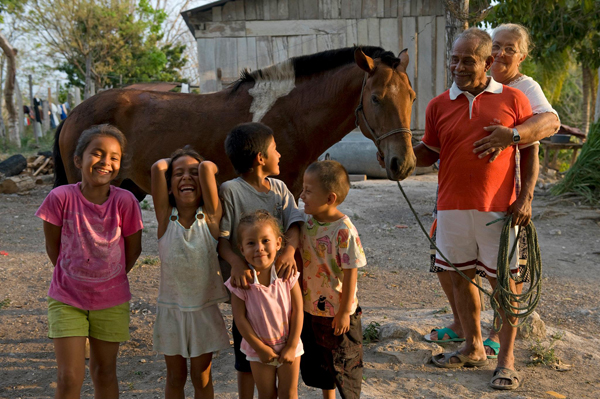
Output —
<point x="502" y="296"/>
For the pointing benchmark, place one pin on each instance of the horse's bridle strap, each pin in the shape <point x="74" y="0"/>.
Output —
<point x="376" y="139"/>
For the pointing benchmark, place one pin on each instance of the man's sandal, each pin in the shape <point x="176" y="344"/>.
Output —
<point x="502" y="373"/>
<point x="441" y="333"/>
<point x="443" y="360"/>
<point x="493" y="345"/>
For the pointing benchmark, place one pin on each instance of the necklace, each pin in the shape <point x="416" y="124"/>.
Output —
<point x="516" y="79"/>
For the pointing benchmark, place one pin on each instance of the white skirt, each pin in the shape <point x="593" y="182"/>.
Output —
<point x="189" y="334"/>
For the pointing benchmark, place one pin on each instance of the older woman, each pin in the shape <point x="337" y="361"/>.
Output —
<point x="510" y="45"/>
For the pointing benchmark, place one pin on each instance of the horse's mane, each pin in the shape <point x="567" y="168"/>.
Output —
<point x="314" y="63"/>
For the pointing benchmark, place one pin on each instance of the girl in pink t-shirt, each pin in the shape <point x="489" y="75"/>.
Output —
<point x="269" y="313"/>
<point x="93" y="237"/>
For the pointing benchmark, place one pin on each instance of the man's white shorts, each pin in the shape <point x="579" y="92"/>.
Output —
<point x="468" y="243"/>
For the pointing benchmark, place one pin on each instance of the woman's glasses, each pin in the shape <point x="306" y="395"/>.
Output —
<point x="508" y="50"/>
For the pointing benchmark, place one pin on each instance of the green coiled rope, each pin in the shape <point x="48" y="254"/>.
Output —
<point x="503" y="297"/>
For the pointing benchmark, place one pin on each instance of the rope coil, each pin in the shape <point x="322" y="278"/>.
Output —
<point x="502" y="298"/>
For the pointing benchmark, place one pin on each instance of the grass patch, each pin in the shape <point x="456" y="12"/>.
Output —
<point x="4" y="303"/>
<point x="541" y="354"/>
<point x="148" y="260"/>
<point x="443" y="310"/>
<point x="145" y="205"/>
<point x="371" y="333"/>
<point x="584" y="177"/>
<point x="28" y="145"/>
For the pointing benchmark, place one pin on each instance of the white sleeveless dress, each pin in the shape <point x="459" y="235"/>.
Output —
<point x="188" y="320"/>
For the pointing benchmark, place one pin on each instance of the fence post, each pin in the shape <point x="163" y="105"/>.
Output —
<point x="20" y="113"/>
<point x="45" y="117"/>
<point x="77" y="95"/>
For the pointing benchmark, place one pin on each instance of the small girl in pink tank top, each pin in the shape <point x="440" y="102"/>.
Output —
<point x="93" y="237"/>
<point x="269" y="313"/>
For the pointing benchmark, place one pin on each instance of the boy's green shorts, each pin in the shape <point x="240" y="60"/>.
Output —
<point x="111" y="325"/>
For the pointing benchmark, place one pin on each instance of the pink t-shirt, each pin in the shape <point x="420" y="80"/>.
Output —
<point x="269" y="310"/>
<point x="90" y="271"/>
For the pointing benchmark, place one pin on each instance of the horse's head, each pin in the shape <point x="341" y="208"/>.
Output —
<point x="384" y="111"/>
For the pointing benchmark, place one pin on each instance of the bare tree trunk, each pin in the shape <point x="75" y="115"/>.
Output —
<point x="597" y="113"/>
<point x="2" y="125"/>
<point x="587" y="97"/>
<point x="88" y="76"/>
<point x="9" y="87"/>
<point x="457" y="12"/>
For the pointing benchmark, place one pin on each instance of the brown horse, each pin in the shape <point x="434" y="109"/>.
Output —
<point x="310" y="102"/>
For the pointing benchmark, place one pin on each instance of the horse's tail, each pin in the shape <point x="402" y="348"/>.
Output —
<point x="60" y="176"/>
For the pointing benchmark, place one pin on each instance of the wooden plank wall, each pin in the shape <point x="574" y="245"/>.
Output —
<point x="257" y="33"/>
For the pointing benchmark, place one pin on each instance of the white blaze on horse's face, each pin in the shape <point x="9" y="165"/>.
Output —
<point x="276" y="81"/>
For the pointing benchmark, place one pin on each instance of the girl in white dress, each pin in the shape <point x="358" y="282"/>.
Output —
<point x="188" y="321"/>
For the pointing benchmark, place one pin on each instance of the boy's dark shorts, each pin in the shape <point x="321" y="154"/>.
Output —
<point x="241" y="363"/>
<point x="331" y="360"/>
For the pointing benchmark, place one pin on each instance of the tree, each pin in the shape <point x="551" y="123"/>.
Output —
<point x="459" y="15"/>
<point x="105" y="41"/>
<point x="560" y="28"/>
<point x="11" y="71"/>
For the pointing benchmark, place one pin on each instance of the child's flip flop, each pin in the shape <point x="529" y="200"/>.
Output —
<point x="442" y="332"/>
<point x="495" y="346"/>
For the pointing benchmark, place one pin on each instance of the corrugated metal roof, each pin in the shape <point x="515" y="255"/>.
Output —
<point x="185" y="14"/>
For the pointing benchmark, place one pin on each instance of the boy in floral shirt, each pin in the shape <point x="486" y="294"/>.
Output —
<point x="331" y="255"/>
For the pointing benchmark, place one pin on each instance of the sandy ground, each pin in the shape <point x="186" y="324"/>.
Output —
<point x="395" y="290"/>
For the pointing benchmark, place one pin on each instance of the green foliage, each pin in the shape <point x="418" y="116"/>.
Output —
<point x="542" y="355"/>
<point x="11" y="7"/>
<point x="145" y="205"/>
<point x="562" y="31"/>
<point x="125" y="45"/>
<point x="148" y="260"/>
<point x="29" y="146"/>
<point x="4" y="303"/>
<point x="584" y="177"/>
<point x="371" y="333"/>
<point x="555" y="26"/>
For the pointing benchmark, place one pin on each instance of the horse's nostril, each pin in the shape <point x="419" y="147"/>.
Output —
<point x="394" y="164"/>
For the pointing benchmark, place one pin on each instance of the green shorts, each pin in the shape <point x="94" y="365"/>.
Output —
<point x="111" y="325"/>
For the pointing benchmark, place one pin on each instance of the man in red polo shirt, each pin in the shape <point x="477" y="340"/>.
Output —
<point x="473" y="191"/>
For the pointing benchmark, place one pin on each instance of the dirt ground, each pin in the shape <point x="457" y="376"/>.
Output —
<point x="395" y="290"/>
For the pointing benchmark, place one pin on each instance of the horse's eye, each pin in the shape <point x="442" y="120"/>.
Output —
<point x="375" y="99"/>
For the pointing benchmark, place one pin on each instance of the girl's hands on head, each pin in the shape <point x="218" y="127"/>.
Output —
<point x="209" y="166"/>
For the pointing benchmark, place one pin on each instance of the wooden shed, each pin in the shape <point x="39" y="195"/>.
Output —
<point x="237" y="34"/>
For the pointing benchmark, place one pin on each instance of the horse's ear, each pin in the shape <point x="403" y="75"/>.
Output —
<point x="403" y="60"/>
<point x="363" y="61"/>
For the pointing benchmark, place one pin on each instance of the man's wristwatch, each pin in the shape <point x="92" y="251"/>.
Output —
<point x="516" y="135"/>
